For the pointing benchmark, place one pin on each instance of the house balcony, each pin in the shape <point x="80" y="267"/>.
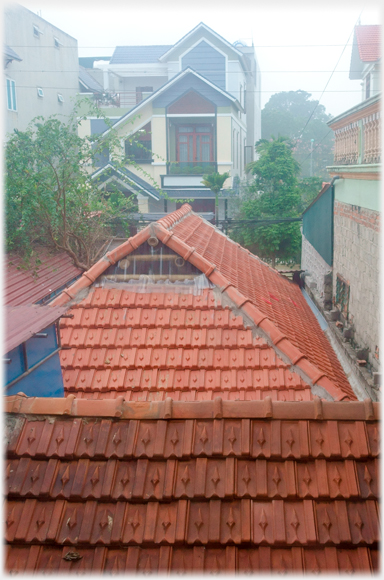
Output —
<point x="357" y="134"/>
<point x="187" y="173"/>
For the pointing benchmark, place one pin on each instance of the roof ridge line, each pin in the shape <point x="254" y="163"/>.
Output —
<point x="161" y="228"/>
<point x="217" y="408"/>
<point x="118" y="253"/>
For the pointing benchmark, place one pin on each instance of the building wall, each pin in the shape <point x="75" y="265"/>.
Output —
<point x="55" y="70"/>
<point x="356" y="259"/>
<point x="312" y="262"/>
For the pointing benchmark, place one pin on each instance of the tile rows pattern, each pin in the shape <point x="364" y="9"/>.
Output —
<point x="193" y="560"/>
<point x="193" y="478"/>
<point x="272" y="303"/>
<point x="191" y="494"/>
<point x="277" y="439"/>
<point x="275" y="296"/>
<point x="199" y="347"/>
<point x="276" y="522"/>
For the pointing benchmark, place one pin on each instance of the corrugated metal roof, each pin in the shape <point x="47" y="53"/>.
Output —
<point x="138" y="54"/>
<point x="22" y="322"/>
<point x="28" y="285"/>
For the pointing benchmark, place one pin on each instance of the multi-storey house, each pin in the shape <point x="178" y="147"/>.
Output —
<point x="195" y="108"/>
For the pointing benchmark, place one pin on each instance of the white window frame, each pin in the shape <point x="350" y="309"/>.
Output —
<point x="11" y="94"/>
<point x="36" y="31"/>
<point x="40" y="93"/>
<point x="60" y="98"/>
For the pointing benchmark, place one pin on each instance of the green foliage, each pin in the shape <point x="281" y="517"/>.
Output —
<point x="286" y="114"/>
<point x="50" y="197"/>
<point x="273" y="194"/>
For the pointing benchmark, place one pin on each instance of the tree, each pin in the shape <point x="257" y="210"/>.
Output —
<point x="215" y="182"/>
<point x="286" y="114"/>
<point x="273" y="194"/>
<point x="50" y="196"/>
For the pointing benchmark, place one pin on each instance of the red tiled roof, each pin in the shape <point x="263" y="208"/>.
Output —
<point x="191" y="487"/>
<point x="275" y="306"/>
<point x="149" y="346"/>
<point x="29" y="285"/>
<point x="368" y="37"/>
<point x="22" y="322"/>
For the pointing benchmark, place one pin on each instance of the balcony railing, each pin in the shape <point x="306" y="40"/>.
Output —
<point x="191" y="167"/>
<point x="358" y="142"/>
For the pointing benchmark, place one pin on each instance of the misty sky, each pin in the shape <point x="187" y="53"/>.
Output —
<point x="298" y="44"/>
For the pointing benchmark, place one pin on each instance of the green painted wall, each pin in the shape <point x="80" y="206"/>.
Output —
<point x="361" y="192"/>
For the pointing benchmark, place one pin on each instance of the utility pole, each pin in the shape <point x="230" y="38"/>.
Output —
<point x="312" y="140"/>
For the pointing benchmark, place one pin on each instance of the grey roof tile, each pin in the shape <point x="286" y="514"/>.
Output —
<point x="138" y="54"/>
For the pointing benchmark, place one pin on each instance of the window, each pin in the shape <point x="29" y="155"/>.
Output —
<point x="36" y="31"/>
<point x="11" y="95"/>
<point x="60" y="98"/>
<point x="56" y="42"/>
<point x="40" y="92"/>
<point x="140" y="148"/>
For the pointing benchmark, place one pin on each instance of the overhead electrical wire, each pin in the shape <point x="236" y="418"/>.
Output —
<point x="342" y="52"/>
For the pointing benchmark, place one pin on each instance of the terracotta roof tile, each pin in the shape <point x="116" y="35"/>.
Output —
<point x="368" y="39"/>
<point x="275" y="305"/>
<point x="297" y="483"/>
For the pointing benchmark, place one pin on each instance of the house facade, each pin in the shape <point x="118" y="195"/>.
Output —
<point x="41" y="69"/>
<point x="354" y="201"/>
<point x="195" y="108"/>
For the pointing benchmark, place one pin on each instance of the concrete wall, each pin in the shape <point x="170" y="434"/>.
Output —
<point x="356" y="259"/>
<point x="312" y="262"/>
<point x="55" y="70"/>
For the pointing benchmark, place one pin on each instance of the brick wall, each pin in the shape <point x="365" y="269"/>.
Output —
<point x="356" y="259"/>
<point x="312" y="262"/>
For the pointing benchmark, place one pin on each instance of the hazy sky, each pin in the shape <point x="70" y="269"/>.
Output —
<point x="298" y="44"/>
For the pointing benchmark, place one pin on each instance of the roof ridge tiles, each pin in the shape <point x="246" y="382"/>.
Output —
<point x="216" y="409"/>
<point x="161" y="230"/>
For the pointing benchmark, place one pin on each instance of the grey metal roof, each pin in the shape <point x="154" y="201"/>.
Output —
<point x="133" y="180"/>
<point x="88" y="81"/>
<point x="10" y="53"/>
<point x="138" y="54"/>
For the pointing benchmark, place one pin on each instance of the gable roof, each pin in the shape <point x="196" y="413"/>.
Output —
<point x="275" y="306"/>
<point x="203" y="27"/>
<point x="132" y="180"/>
<point x="138" y="54"/>
<point x="169" y="84"/>
<point x="366" y="48"/>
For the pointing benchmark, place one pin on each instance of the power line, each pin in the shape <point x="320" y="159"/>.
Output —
<point x="148" y="45"/>
<point x="117" y="91"/>
<point x="206" y="71"/>
<point x="342" y="52"/>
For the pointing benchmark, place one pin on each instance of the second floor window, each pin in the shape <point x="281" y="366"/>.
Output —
<point x="140" y="148"/>
<point x="11" y="95"/>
